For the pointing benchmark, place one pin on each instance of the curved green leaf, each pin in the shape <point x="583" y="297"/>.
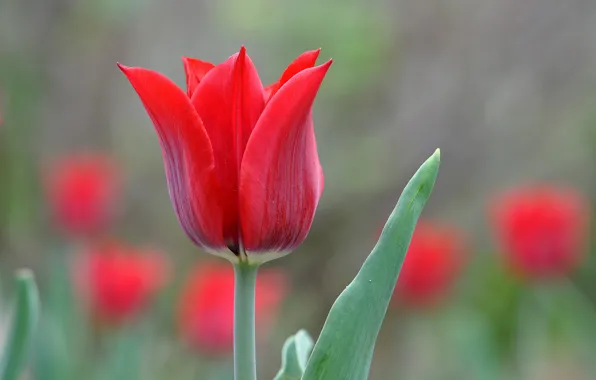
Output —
<point x="346" y="344"/>
<point x="294" y="356"/>
<point x="25" y="317"/>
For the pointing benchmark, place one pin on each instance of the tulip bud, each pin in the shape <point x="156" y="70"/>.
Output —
<point x="542" y="231"/>
<point x="81" y="191"/>
<point x="116" y="282"/>
<point x="432" y="265"/>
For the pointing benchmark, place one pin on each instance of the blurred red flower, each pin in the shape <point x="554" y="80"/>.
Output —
<point x="241" y="160"/>
<point x="117" y="281"/>
<point x="433" y="263"/>
<point x="206" y="306"/>
<point x="542" y="230"/>
<point x="81" y="190"/>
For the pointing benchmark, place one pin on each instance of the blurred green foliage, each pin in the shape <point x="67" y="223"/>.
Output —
<point x="357" y="34"/>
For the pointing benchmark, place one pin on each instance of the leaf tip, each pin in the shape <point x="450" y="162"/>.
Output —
<point x="436" y="157"/>
<point x="434" y="161"/>
<point x="24" y="275"/>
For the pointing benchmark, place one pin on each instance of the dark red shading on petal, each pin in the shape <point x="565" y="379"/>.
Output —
<point x="281" y="179"/>
<point x="542" y="230"/>
<point x="229" y="101"/>
<point x="206" y="306"/>
<point x="187" y="153"/>
<point x="433" y="263"/>
<point x="116" y="281"/>
<point x="304" y="61"/>
<point x="195" y="70"/>
<point x="81" y="191"/>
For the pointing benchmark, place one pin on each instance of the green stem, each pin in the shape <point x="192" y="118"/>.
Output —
<point x="23" y="322"/>
<point x="245" y="363"/>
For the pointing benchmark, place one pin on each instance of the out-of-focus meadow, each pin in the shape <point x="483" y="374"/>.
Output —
<point x="504" y="286"/>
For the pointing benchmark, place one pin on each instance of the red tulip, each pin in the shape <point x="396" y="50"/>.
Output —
<point x="433" y="263"/>
<point x="81" y="190"/>
<point x="206" y="307"/>
<point x="241" y="160"/>
<point x="116" y="282"/>
<point x="541" y="230"/>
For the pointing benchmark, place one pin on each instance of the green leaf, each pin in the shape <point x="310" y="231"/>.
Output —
<point x="294" y="356"/>
<point x="346" y="344"/>
<point x="24" y="320"/>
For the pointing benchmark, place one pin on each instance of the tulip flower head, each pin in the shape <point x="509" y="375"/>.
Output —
<point x="206" y="306"/>
<point x="432" y="265"/>
<point x="542" y="231"/>
<point x="81" y="190"/>
<point x="241" y="159"/>
<point x="116" y="282"/>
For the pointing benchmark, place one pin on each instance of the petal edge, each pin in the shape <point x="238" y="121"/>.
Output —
<point x="281" y="177"/>
<point x="304" y="61"/>
<point x="195" y="70"/>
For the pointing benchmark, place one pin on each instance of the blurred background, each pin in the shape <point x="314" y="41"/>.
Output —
<point x="505" y="88"/>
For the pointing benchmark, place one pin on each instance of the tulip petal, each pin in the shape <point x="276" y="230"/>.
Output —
<point x="195" y="70"/>
<point x="187" y="153"/>
<point x="281" y="179"/>
<point x="229" y="100"/>
<point x="304" y="61"/>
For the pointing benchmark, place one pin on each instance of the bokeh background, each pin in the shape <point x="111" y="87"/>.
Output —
<point x="505" y="88"/>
